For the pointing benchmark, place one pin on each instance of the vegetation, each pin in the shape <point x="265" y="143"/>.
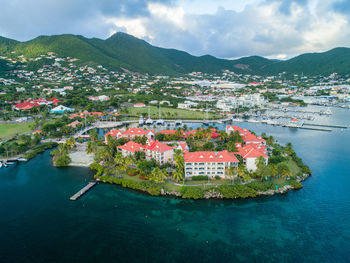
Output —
<point x="237" y="191"/>
<point x="123" y="50"/>
<point x="170" y="113"/>
<point x="135" y="172"/>
<point x="191" y="192"/>
<point x="8" y="131"/>
<point x="60" y="156"/>
<point x="39" y="149"/>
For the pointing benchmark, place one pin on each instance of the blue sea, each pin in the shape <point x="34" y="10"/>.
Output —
<point x="39" y="223"/>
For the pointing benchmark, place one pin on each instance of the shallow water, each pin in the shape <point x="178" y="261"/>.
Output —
<point x="40" y="224"/>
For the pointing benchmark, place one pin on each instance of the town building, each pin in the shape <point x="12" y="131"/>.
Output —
<point x="251" y="153"/>
<point x="161" y="152"/>
<point x="139" y="105"/>
<point x="61" y="109"/>
<point x="131" y="133"/>
<point x="209" y="163"/>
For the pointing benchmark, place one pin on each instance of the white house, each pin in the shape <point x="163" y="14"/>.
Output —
<point x="61" y="109"/>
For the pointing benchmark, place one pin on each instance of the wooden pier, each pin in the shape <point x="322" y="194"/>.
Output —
<point x="83" y="191"/>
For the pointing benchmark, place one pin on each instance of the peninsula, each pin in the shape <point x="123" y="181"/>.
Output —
<point x="198" y="163"/>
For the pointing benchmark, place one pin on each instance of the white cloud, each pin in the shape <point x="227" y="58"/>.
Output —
<point x="172" y="14"/>
<point x="132" y="26"/>
<point x="223" y="28"/>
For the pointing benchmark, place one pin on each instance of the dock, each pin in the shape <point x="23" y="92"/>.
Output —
<point x="83" y="191"/>
<point x="326" y="125"/>
<point x="315" y="129"/>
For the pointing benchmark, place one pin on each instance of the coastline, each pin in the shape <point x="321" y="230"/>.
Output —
<point x="212" y="193"/>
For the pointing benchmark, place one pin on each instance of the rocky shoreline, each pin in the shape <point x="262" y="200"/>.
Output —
<point x="212" y="194"/>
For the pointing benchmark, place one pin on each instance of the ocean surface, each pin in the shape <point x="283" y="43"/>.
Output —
<point x="38" y="222"/>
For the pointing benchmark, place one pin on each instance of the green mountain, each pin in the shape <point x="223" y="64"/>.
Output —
<point x="3" y="66"/>
<point x="335" y="60"/>
<point x="125" y="51"/>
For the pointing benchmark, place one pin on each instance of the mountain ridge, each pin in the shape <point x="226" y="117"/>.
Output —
<point x="126" y="51"/>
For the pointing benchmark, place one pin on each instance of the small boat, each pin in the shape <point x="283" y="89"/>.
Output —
<point x="141" y="121"/>
<point x="178" y="122"/>
<point x="206" y="123"/>
<point x="149" y="121"/>
<point x="160" y="122"/>
<point x="0" y="164"/>
<point x="253" y="121"/>
<point x="21" y="159"/>
<point x="10" y="163"/>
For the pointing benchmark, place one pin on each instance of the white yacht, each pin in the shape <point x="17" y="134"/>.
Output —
<point x="149" y="121"/>
<point x="141" y="121"/>
<point x="160" y="122"/>
<point x="178" y="122"/>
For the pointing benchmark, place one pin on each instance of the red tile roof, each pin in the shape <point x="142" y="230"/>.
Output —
<point x="131" y="147"/>
<point x="137" y="132"/>
<point x="210" y="157"/>
<point x="250" y="151"/>
<point x="114" y="133"/>
<point x="154" y="146"/>
<point x="26" y="105"/>
<point x="184" y="147"/>
<point x="249" y="137"/>
<point x="158" y="147"/>
<point x="139" y="104"/>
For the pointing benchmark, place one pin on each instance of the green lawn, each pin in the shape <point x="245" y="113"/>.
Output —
<point x="8" y="131"/>
<point x="170" y="113"/>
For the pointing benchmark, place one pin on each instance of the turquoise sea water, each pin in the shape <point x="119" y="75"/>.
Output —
<point x="110" y="224"/>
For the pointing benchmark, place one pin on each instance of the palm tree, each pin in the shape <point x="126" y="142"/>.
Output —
<point x="179" y="166"/>
<point x="91" y="147"/>
<point x="93" y="135"/>
<point x="177" y="175"/>
<point x="260" y="162"/>
<point x="241" y="171"/>
<point x="230" y="172"/>
<point x="283" y="170"/>
<point x="118" y="158"/>
<point x="223" y="135"/>
<point x="158" y="175"/>
<point x="274" y="170"/>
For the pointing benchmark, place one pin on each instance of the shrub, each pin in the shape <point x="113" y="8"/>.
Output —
<point x="237" y="191"/>
<point x="261" y="186"/>
<point x="296" y="185"/>
<point x="142" y="177"/>
<point x="154" y="190"/>
<point x="98" y="168"/>
<point x="39" y="149"/>
<point x="132" y="172"/>
<point x="191" y="192"/>
<point x="217" y="177"/>
<point x="199" y="178"/>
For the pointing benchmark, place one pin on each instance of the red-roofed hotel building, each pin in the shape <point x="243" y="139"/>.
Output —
<point x="209" y="164"/>
<point x="159" y="151"/>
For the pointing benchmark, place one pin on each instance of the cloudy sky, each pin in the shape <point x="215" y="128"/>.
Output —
<point x="223" y="28"/>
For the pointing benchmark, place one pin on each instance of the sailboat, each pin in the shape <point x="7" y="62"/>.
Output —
<point x="206" y="121"/>
<point x="141" y="121"/>
<point x="149" y="121"/>
<point x="159" y="121"/>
